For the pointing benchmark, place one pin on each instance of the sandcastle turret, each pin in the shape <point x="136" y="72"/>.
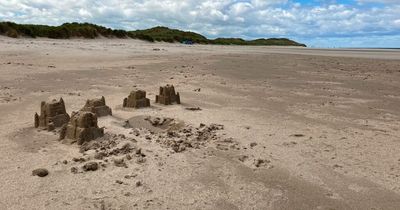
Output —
<point x="136" y="99"/>
<point x="97" y="106"/>
<point x="52" y="115"/>
<point x="82" y="127"/>
<point x="168" y="96"/>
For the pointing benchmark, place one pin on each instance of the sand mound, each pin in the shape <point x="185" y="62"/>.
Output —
<point x="97" y="106"/>
<point x="52" y="115"/>
<point x="136" y="99"/>
<point x="168" y="96"/>
<point x="82" y="127"/>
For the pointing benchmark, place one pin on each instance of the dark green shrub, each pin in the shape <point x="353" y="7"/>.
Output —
<point x="12" y="33"/>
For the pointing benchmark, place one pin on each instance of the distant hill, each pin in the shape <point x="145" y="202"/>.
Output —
<point x="91" y="31"/>
<point x="259" y="42"/>
<point x="170" y="35"/>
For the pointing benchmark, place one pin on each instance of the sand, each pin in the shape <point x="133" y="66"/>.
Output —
<point x="302" y="128"/>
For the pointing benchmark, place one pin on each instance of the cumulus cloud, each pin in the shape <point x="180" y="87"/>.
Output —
<point x="214" y="18"/>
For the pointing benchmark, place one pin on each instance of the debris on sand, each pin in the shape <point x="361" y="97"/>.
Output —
<point x="138" y="184"/>
<point x="168" y="96"/>
<point x="130" y="176"/>
<point x="121" y="150"/>
<point x="97" y="106"/>
<point x="52" y="115"/>
<point x="82" y="127"/>
<point x="136" y="99"/>
<point x="138" y="152"/>
<point x="91" y="166"/>
<point x="298" y="135"/>
<point x="102" y="144"/>
<point x="262" y="163"/>
<point x="243" y="158"/>
<point x="159" y="121"/>
<point x="120" y="162"/>
<point x="74" y="170"/>
<point x="188" y="137"/>
<point x="140" y="160"/>
<point x="193" y="108"/>
<point x="78" y="160"/>
<point x="226" y="144"/>
<point x="100" y="155"/>
<point x="111" y="145"/>
<point x="41" y="172"/>
<point x="155" y="124"/>
<point x="128" y="157"/>
<point x="289" y="144"/>
<point x="222" y="147"/>
<point x="127" y="194"/>
<point x="337" y="166"/>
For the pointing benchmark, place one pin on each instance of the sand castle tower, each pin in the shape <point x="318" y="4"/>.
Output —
<point x="52" y="115"/>
<point x="82" y="127"/>
<point x="97" y="106"/>
<point x="136" y="99"/>
<point x="168" y="96"/>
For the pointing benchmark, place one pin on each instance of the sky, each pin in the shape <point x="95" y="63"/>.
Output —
<point x="317" y="23"/>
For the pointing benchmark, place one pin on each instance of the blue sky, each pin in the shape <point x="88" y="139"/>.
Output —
<point x="317" y="23"/>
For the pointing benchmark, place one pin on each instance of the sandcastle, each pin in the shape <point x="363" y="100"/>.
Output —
<point x="97" y="106"/>
<point x="82" y="127"/>
<point x="52" y="115"/>
<point x="136" y="99"/>
<point x="168" y="96"/>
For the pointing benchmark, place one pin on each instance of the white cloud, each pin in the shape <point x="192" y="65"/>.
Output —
<point x="240" y="8"/>
<point x="85" y="13"/>
<point x="263" y="3"/>
<point x="397" y="22"/>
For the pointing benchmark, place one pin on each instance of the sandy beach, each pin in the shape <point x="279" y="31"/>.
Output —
<point x="288" y="127"/>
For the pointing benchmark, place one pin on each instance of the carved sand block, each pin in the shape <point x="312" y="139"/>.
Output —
<point x="97" y="106"/>
<point x="82" y="127"/>
<point x="52" y="115"/>
<point x="168" y="96"/>
<point x="136" y="99"/>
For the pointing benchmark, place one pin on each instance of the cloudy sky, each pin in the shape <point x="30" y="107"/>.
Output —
<point x="318" y="23"/>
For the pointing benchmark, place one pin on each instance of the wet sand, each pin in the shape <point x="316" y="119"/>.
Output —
<point x="325" y="124"/>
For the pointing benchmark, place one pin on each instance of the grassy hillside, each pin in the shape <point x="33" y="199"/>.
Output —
<point x="171" y="35"/>
<point x="65" y="31"/>
<point x="91" y="31"/>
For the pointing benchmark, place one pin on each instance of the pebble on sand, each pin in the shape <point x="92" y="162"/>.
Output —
<point x="91" y="166"/>
<point x="41" y="172"/>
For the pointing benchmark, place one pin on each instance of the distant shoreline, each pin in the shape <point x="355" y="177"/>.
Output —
<point x="374" y="48"/>
<point x="92" y="31"/>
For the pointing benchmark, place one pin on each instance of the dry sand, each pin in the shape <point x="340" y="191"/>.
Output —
<point x="325" y="124"/>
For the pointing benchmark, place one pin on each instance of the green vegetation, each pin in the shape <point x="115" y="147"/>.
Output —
<point x="171" y="35"/>
<point x="91" y="31"/>
<point x="65" y="31"/>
